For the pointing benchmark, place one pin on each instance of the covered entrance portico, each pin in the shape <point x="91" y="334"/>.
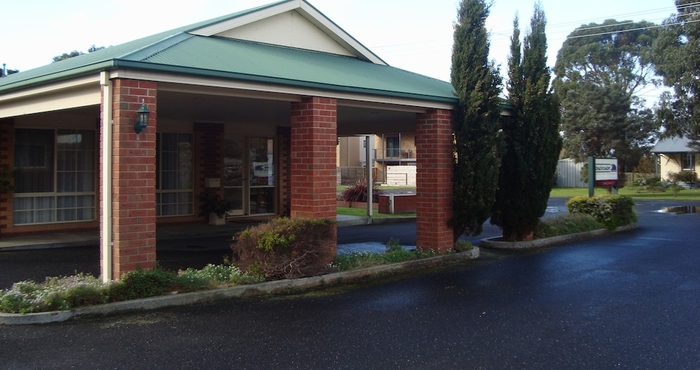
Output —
<point x="264" y="139"/>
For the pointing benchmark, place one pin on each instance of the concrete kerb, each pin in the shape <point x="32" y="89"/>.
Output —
<point x="271" y="287"/>
<point x="494" y="243"/>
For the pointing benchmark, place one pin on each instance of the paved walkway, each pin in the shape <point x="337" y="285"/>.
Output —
<point x="163" y="233"/>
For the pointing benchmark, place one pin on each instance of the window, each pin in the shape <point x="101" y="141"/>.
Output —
<point x="262" y="176"/>
<point x="174" y="194"/>
<point x="56" y="176"/>
<point x="393" y="146"/>
<point x="688" y="161"/>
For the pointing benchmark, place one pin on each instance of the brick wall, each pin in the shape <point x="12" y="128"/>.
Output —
<point x="7" y="130"/>
<point x="284" y="140"/>
<point x="434" y="180"/>
<point x="314" y="129"/>
<point x="134" y="178"/>
<point x="313" y="156"/>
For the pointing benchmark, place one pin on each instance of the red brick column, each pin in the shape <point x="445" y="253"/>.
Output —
<point x="284" y="140"/>
<point x="434" y="180"/>
<point x="313" y="156"/>
<point x="7" y="132"/>
<point x="134" y="178"/>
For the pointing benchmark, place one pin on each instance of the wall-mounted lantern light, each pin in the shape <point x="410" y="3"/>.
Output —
<point x="141" y="118"/>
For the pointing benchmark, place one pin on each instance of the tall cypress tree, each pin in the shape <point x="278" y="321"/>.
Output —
<point x="532" y="140"/>
<point x="477" y="84"/>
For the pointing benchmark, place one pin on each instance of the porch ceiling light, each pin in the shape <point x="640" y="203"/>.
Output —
<point x="141" y="118"/>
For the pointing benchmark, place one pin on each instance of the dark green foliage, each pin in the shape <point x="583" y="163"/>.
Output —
<point x="286" y="248"/>
<point x="649" y="184"/>
<point x="611" y="211"/>
<point x="532" y="141"/>
<point x="684" y="176"/>
<point x="394" y="254"/>
<point x="75" y="53"/>
<point x="570" y="223"/>
<point x="9" y="72"/>
<point x="477" y="140"/>
<point x="676" y="55"/>
<point x="7" y="179"/>
<point x="85" y="295"/>
<point x="358" y="192"/>
<point x="142" y="284"/>
<point x="599" y="70"/>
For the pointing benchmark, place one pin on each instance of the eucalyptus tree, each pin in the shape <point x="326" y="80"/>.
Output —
<point x="477" y="84"/>
<point x="677" y="59"/>
<point x="599" y="71"/>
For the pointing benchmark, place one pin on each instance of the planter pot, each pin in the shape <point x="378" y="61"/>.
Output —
<point x="214" y="219"/>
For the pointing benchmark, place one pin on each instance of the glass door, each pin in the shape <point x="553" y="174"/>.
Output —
<point x="262" y="176"/>
<point x="234" y="175"/>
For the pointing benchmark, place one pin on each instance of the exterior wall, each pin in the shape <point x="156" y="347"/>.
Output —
<point x="569" y="174"/>
<point x="289" y="29"/>
<point x="284" y="145"/>
<point x="314" y="130"/>
<point x="349" y="151"/>
<point x="313" y="139"/>
<point x="434" y="180"/>
<point x="134" y="178"/>
<point x="7" y="129"/>
<point x="401" y="175"/>
<point x="48" y="120"/>
<point x="671" y="162"/>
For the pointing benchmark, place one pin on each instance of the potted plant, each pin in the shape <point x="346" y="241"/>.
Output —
<point x="214" y="206"/>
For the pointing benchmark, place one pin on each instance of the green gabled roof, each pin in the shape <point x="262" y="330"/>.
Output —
<point x="177" y="51"/>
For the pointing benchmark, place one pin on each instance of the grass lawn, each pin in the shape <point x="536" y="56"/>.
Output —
<point x="362" y="212"/>
<point x="685" y="194"/>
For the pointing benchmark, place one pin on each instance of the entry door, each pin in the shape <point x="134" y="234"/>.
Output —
<point x="234" y="175"/>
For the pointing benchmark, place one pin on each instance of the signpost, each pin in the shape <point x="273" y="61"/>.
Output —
<point x="605" y="174"/>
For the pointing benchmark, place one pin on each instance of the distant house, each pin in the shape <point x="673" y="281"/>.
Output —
<point x="675" y="155"/>
<point x="248" y="106"/>
<point x="390" y="152"/>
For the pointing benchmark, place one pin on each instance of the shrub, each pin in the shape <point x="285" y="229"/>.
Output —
<point x="683" y="176"/>
<point x="143" y="284"/>
<point x="56" y="293"/>
<point x="285" y="248"/>
<point x="394" y="253"/>
<point x="358" y="192"/>
<point x="215" y="275"/>
<point x="570" y="223"/>
<point x="611" y="211"/>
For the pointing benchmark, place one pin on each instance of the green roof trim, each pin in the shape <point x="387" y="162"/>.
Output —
<point x="179" y="52"/>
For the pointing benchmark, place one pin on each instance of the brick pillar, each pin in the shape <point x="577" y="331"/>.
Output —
<point x="208" y="158"/>
<point x="313" y="144"/>
<point x="7" y="132"/>
<point x="133" y="178"/>
<point x="284" y="140"/>
<point x="434" y="180"/>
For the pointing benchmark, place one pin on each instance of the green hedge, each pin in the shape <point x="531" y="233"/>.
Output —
<point x="611" y="211"/>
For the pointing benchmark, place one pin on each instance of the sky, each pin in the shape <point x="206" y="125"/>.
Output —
<point x="415" y="35"/>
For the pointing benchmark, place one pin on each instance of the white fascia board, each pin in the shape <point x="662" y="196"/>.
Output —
<point x="74" y="93"/>
<point x="276" y="92"/>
